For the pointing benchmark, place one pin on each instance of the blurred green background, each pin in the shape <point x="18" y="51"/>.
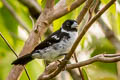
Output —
<point x="93" y="43"/>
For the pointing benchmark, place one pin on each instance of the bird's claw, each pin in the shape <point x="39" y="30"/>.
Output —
<point x="60" y="64"/>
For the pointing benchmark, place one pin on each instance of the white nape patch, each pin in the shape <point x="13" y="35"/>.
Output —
<point x="74" y="25"/>
<point x="69" y="32"/>
<point x="54" y="36"/>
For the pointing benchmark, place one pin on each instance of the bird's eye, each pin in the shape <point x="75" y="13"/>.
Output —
<point x="67" y="24"/>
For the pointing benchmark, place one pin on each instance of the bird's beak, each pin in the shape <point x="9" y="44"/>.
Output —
<point x="74" y="25"/>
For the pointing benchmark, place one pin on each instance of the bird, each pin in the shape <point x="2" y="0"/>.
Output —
<point x="54" y="46"/>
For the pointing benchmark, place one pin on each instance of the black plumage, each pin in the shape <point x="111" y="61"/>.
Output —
<point x="56" y="45"/>
<point x="52" y="40"/>
<point x="23" y="60"/>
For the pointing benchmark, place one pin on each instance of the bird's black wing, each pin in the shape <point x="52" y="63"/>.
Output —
<point x="52" y="39"/>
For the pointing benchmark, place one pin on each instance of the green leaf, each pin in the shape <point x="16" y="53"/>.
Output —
<point x="5" y="64"/>
<point x="9" y="21"/>
<point x="104" y="1"/>
<point x="43" y="3"/>
<point x="112" y="9"/>
<point x="6" y="27"/>
<point x="102" y="45"/>
<point x="84" y="74"/>
<point x="72" y="15"/>
<point x="82" y="42"/>
<point x="103" y="72"/>
<point x="22" y="12"/>
<point x="1" y="4"/>
<point x="39" y="1"/>
<point x="118" y="23"/>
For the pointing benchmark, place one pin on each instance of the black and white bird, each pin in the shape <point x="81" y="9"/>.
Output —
<point x="56" y="45"/>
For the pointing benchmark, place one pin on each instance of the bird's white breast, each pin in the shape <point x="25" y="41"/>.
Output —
<point x="68" y="43"/>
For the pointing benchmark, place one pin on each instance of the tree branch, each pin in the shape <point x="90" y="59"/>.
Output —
<point x="84" y="11"/>
<point x="49" y="4"/>
<point x="34" y="8"/>
<point x="107" y="58"/>
<point x="23" y="25"/>
<point x="84" y="30"/>
<point x="59" y="12"/>
<point x="60" y="4"/>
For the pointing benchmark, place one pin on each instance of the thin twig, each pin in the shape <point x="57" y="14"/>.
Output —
<point x="92" y="8"/>
<point x="26" y="73"/>
<point x="11" y="10"/>
<point x="14" y="54"/>
<point x="84" y="30"/>
<point x="82" y="78"/>
<point x="33" y="23"/>
<point x="8" y="44"/>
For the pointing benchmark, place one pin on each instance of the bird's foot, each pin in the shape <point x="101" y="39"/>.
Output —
<point x="60" y="62"/>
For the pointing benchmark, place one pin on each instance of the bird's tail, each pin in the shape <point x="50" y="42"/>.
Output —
<point x="23" y="60"/>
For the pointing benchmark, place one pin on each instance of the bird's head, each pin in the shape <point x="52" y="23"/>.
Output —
<point x="70" y="25"/>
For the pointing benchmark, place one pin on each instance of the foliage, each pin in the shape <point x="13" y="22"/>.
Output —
<point x="11" y="30"/>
